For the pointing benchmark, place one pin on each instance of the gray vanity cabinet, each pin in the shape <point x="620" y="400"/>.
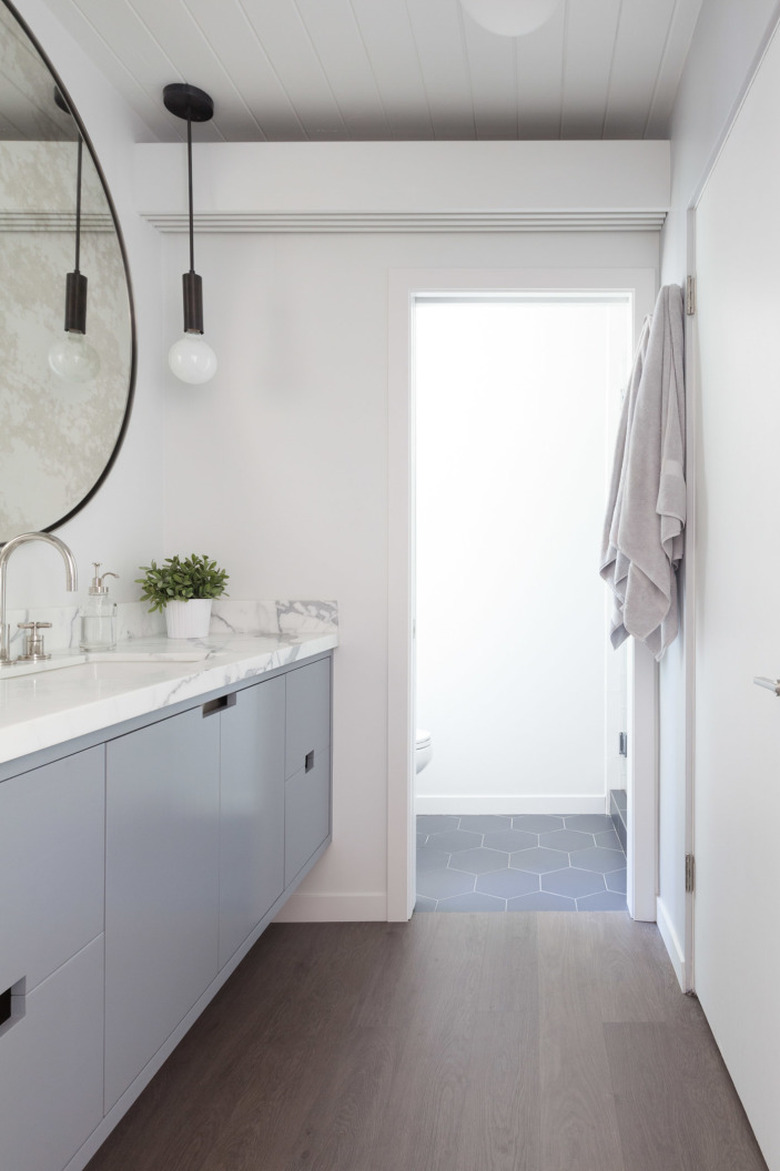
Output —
<point x="162" y="810"/>
<point x="251" y="816"/>
<point x="134" y="876"/>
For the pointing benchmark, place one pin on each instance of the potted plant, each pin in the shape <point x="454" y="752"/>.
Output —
<point x="184" y="588"/>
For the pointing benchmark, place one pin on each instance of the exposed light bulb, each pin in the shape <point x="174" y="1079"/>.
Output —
<point x="510" y="18"/>
<point x="192" y="359"/>
<point x="73" y="359"/>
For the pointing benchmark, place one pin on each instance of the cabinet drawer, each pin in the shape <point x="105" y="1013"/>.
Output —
<point x="51" y="865"/>
<point x="308" y="713"/>
<point x="306" y="813"/>
<point x="51" y="1067"/>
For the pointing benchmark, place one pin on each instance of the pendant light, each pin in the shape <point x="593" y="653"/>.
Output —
<point x="71" y="357"/>
<point x="510" y="18"/>
<point x="191" y="358"/>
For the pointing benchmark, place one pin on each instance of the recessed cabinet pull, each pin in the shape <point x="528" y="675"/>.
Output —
<point x="218" y="705"/>
<point x="308" y="761"/>
<point x="770" y="684"/>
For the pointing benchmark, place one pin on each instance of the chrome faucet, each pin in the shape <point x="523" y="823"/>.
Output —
<point x="71" y="579"/>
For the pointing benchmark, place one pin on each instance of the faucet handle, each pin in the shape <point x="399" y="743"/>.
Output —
<point x="33" y="641"/>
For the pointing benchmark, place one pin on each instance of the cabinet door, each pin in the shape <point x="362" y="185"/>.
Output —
<point x="51" y="1067"/>
<point x="162" y="843"/>
<point x="251" y="811"/>
<point x="51" y="866"/>
<point x="307" y="765"/>
<point x="308" y="713"/>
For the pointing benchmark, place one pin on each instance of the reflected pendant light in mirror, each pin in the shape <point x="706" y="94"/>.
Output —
<point x="191" y="358"/>
<point x="71" y="356"/>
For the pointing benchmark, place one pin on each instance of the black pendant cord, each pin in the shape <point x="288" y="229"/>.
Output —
<point x="189" y="174"/>
<point x="78" y="203"/>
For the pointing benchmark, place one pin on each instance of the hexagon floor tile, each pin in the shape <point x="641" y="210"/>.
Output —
<point x="598" y="859"/>
<point x="508" y="884"/>
<point x="511" y="839"/>
<point x="573" y="883"/>
<point x="527" y="862"/>
<point x="478" y="860"/>
<point x="538" y="860"/>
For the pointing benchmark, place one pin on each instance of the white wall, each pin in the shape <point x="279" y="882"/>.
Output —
<point x="512" y="451"/>
<point x="121" y="525"/>
<point x="279" y="468"/>
<point x="727" y="42"/>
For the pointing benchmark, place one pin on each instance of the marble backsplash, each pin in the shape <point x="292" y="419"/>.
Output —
<point x="227" y="617"/>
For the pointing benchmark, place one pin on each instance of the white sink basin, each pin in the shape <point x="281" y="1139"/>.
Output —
<point x="119" y="658"/>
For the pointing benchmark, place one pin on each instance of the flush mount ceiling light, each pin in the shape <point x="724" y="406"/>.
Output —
<point x="71" y="357"/>
<point x="191" y="358"/>
<point x="510" y="18"/>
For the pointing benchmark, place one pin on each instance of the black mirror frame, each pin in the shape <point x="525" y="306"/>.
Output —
<point x="57" y="81"/>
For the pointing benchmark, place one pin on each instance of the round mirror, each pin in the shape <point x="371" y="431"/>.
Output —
<point x="67" y="331"/>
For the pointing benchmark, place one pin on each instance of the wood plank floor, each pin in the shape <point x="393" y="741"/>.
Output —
<point x="468" y="1042"/>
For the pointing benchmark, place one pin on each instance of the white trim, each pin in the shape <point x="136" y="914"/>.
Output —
<point x="689" y="609"/>
<point x="642" y="790"/>
<point x="503" y="805"/>
<point x="672" y="944"/>
<point x="321" y="907"/>
<point x="533" y="220"/>
<point x="404" y="286"/>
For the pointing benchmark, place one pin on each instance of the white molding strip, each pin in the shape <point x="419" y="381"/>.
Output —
<point x="671" y="943"/>
<point x="458" y="805"/>
<point x="25" y="220"/>
<point x="321" y="907"/>
<point x="540" y="220"/>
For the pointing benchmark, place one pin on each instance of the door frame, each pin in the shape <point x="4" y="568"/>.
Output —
<point x="405" y="286"/>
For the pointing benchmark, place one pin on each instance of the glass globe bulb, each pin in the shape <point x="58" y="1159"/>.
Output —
<point x="510" y="18"/>
<point x="73" y="359"/>
<point x="192" y="359"/>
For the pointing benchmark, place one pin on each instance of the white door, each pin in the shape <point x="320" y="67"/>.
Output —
<point x="737" y="724"/>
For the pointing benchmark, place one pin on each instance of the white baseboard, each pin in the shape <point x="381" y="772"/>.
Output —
<point x="304" y="907"/>
<point x="671" y="942"/>
<point x="458" y="806"/>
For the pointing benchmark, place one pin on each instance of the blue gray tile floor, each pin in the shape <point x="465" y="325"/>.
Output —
<point x="522" y="863"/>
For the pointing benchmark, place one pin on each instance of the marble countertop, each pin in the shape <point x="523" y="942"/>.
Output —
<point x="45" y="708"/>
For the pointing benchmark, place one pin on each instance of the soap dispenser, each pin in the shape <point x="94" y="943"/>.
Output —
<point x="98" y="615"/>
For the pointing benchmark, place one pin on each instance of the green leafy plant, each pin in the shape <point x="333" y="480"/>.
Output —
<point x="179" y="579"/>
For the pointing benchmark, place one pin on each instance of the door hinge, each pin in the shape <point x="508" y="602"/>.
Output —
<point x="690" y="296"/>
<point x="623" y="744"/>
<point x="690" y="873"/>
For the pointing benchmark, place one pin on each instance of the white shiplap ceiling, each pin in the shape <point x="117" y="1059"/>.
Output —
<point x="351" y="70"/>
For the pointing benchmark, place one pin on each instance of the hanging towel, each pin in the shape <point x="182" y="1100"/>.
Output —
<point x="643" y="529"/>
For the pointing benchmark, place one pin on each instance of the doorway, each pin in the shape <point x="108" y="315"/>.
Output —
<point x="516" y="402"/>
<point x="408" y="292"/>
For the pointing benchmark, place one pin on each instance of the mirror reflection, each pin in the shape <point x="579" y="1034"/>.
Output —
<point x="58" y="434"/>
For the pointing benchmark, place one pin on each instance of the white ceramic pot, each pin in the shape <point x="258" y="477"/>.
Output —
<point x="188" y="619"/>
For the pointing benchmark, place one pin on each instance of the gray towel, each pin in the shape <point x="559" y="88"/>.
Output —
<point x="643" y="529"/>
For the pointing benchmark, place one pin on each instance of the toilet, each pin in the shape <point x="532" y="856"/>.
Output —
<point x="423" y="750"/>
